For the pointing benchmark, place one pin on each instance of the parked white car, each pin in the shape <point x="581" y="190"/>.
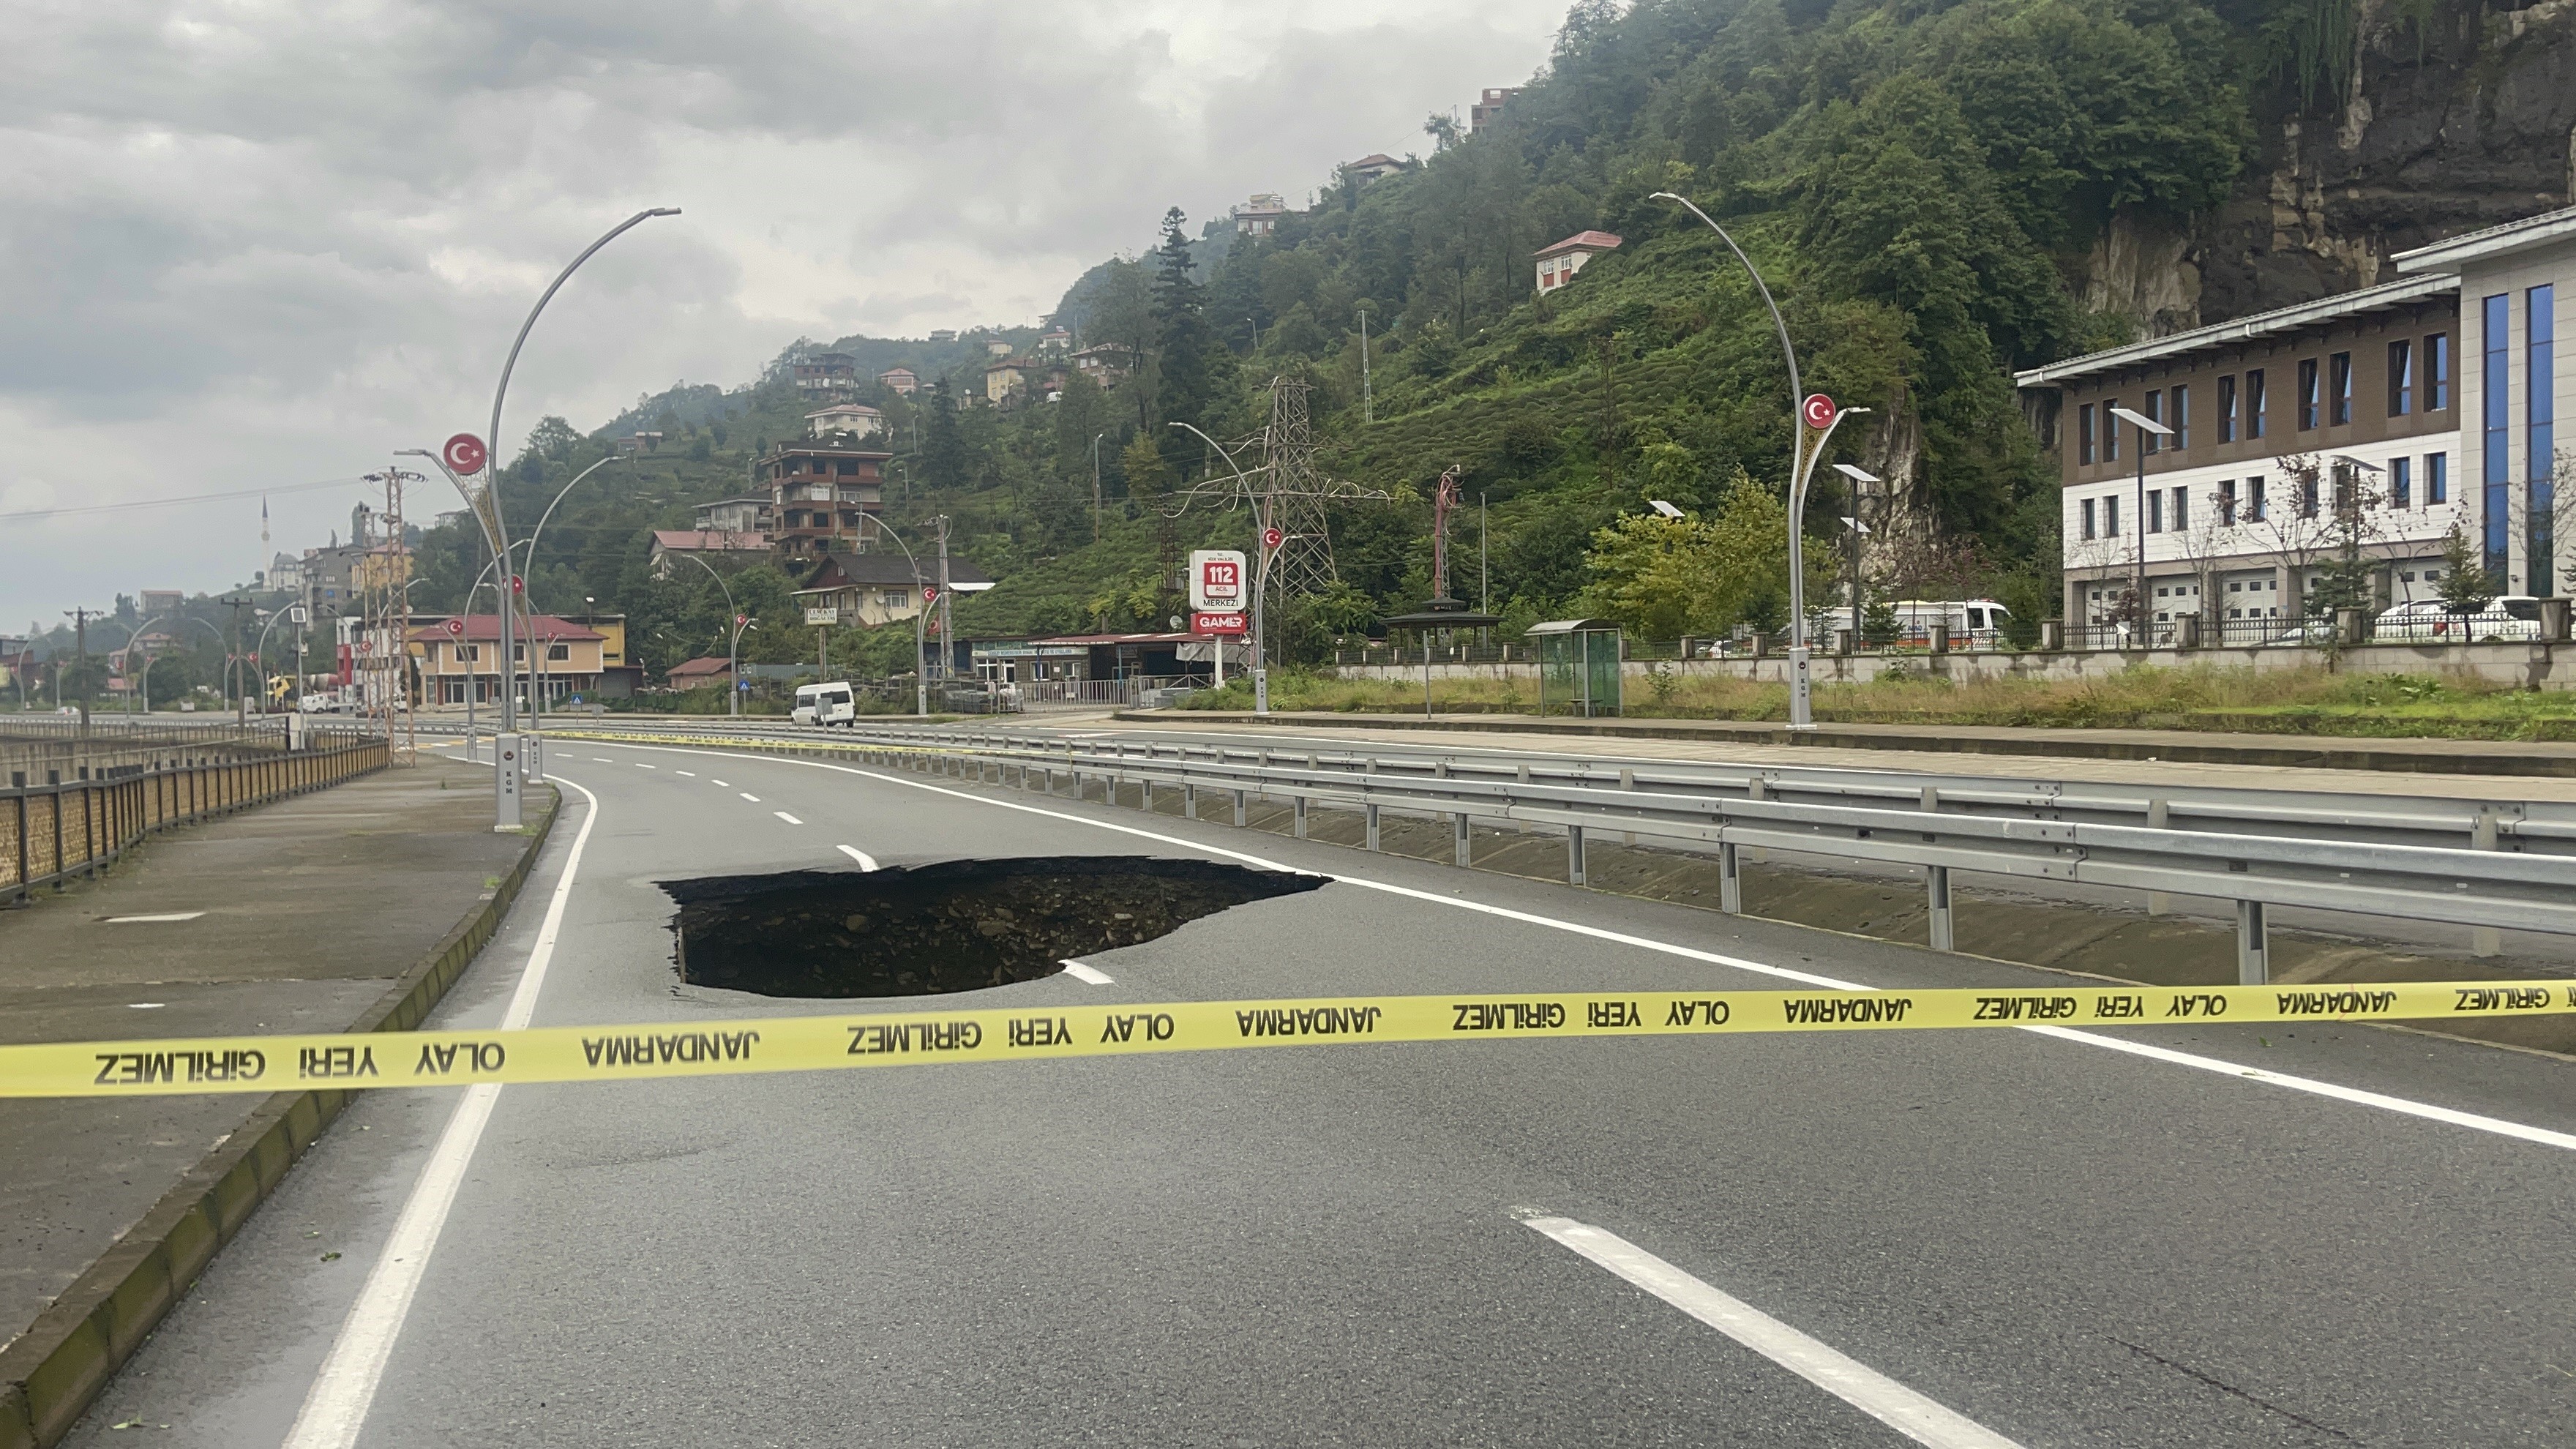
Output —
<point x="2512" y="618"/>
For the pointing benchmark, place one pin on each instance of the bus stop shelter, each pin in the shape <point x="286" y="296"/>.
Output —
<point x="1578" y="666"/>
<point x="1438" y="616"/>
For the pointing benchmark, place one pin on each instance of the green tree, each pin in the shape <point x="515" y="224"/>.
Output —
<point x="946" y="462"/>
<point x="1184" y="345"/>
<point x="1663" y="578"/>
<point x="2467" y="587"/>
<point x="1148" y="477"/>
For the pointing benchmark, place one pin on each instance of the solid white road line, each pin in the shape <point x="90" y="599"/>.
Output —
<point x="335" y="1408"/>
<point x="1080" y="972"/>
<point x="783" y="815"/>
<point x="1846" y="1378"/>
<point x="2472" y="1120"/>
<point x="865" y="860"/>
<point x="164" y="916"/>
<point x="747" y="795"/>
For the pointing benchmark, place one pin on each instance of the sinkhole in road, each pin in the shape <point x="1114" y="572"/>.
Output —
<point x="956" y="925"/>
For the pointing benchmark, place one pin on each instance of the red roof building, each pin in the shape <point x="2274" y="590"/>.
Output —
<point x="1557" y="264"/>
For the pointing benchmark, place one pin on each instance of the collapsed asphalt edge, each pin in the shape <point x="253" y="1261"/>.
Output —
<point x="52" y="1373"/>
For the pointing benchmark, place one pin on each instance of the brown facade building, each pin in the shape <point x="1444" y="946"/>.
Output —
<point x="819" y="493"/>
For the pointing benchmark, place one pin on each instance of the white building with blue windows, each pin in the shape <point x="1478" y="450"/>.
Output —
<point x="2219" y="472"/>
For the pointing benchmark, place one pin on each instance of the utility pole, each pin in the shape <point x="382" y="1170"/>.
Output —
<point x="947" y="636"/>
<point x="1095" y="485"/>
<point x="80" y="654"/>
<point x="1484" y="587"/>
<point x="1368" y="404"/>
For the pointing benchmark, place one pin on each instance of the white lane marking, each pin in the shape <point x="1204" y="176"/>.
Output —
<point x="2426" y="1110"/>
<point x="602" y="759"/>
<point x="692" y="774"/>
<point x="783" y="815"/>
<point x="1846" y="1378"/>
<point x="642" y="766"/>
<point x="144" y="920"/>
<point x="335" y="1408"/>
<point x="747" y="795"/>
<point x="1080" y="972"/>
<point x="720" y="784"/>
<point x="144" y="1005"/>
<point x="2358" y="1096"/>
<point x="865" y="860"/>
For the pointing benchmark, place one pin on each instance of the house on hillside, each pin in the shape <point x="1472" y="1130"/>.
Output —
<point x="167" y="601"/>
<point x="1557" y="264"/>
<point x="998" y="347"/>
<point x="857" y="419"/>
<point x="900" y="380"/>
<point x="1009" y="380"/>
<point x="723" y="549"/>
<point x="825" y="372"/>
<point x="1107" y="364"/>
<point x="1057" y="339"/>
<point x="734" y="515"/>
<point x="1489" y="107"/>
<point x="1373" y="166"/>
<point x="1260" y="216"/>
<point x="879" y="588"/>
<point x="818" y="494"/>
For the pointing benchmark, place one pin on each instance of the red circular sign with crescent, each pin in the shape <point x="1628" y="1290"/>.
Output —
<point x="1819" y="410"/>
<point x="1272" y="538"/>
<point x="464" y="453"/>
<point x="455" y="627"/>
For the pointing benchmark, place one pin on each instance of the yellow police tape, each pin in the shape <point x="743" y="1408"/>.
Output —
<point x="807" y="1043"/>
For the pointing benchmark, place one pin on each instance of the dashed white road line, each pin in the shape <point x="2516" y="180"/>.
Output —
<point x="747" y="795"/>
<point x="692" y="774"/>
<point x="164" y="916"/>
<point x="642" y="766"/>
<point x="722" y="784"/>
<point x="1080" y="972"/>
<point x="865" y="860"/>
<point x="1846" y="1378"/>
<point x="783" y="815"/>
<point x="602" y="760"/>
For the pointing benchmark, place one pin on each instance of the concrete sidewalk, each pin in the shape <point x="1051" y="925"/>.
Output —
<point x="321" y="912"/>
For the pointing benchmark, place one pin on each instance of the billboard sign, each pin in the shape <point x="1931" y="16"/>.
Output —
<point x="822" y="616"/>
<point x="1221" y="621"/>
<point x="1217" y="579"/>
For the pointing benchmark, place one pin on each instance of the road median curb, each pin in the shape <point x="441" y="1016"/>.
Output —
<point x="50" y="1374"/>
<point x="2290" y="752"/>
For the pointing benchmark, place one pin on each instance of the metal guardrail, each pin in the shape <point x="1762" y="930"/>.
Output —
<point x="2469" y="863"/>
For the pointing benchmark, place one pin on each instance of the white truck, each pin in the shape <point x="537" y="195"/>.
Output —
<point x="825" y="705"/>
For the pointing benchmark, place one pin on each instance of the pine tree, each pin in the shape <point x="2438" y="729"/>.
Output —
<point x="943" y="452"/>
<point x="1142" y="462"/>
<point x="1182" y="340"/>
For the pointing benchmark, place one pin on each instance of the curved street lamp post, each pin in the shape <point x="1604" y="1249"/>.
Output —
<point x="1802" y="462"/>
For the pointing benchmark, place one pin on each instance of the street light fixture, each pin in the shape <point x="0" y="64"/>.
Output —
<point x="1858" y="477"/>
<point x="2145" y="426"/>
<point x="920" y="616"/>
<point x="1666" y="509"/>
<point x="733" y="650"/>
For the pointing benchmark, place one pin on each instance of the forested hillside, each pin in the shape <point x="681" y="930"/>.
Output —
<point x="1936" y="194"/>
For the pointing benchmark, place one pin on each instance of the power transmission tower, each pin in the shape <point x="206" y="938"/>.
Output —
<point x="1296" y="493"/>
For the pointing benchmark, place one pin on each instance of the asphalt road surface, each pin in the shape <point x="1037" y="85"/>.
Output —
<point x="2328" y="1235"/>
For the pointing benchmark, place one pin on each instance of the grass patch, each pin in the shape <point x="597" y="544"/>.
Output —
<point x="2310" y="701"/>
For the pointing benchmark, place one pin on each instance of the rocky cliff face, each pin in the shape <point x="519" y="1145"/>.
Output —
<point x="2461" y="120"/>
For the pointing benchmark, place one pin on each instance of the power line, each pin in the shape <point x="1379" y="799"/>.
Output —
<point x="349" y="482"/>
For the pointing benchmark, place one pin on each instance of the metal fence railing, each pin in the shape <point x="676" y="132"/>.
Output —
<point x="50" y="832"/>
<point x="2475" y="863"/>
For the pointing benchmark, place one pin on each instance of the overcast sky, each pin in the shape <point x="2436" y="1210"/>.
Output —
<point x="262" y="244"/>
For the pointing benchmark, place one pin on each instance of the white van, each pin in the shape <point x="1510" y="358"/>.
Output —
<point x="825" y="705"/>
